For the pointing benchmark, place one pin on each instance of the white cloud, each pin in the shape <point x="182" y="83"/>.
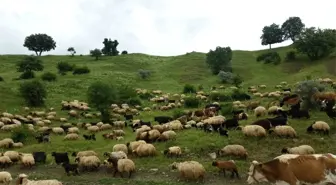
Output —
<point x="160" y="27"/>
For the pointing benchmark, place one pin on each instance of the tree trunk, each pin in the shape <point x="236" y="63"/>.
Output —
<point x="40" y="53"/>
<point x="36" y="53"/>
<point x="270" y="46"/>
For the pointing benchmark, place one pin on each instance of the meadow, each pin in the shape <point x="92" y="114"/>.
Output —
<point x="169" y="74"/>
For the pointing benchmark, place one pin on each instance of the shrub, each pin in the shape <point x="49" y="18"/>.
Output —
<point x="290" y="55"/>
<point x="178" y="113"/>
<point x="81" y="70"/>
<point x="124" y="52"/>
<point x="33" y="92"/>
<point x="217" y="96"/>
<point x="237" y="80"/>
<point x="269" y="57"/>
<point x="200" y="87"/>
<point x="226" y="109"/>
<point x="64" y="67"/>
<point x="225" y="77"/>
<point x="306" y="89"/>
<point x="125" y="92"/>
<point x="144" y="74"/>
<point x="134" y="101"/>
<point x="27" y="75"/>
<point x="239" y="95"/>
<point x="1" y="79"/>
<point x="188" y="88"/>
<point x="192" y="102"/>
<point x="48" y="76"/>
<point x="22" y="134"/>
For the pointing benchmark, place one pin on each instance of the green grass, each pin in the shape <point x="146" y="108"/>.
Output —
<point x="169" y="74"/>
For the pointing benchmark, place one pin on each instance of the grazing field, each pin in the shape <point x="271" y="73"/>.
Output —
<point x="169" y="74"/>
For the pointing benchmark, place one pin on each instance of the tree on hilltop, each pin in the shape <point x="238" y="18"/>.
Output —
<point x="292" y="28"/>
<point x="110" y="47"/>
<point x="271" y="35"/>
<point x="72" y="51"/>
<point x="316" y="43"/>
<point x="39" y="43"/>
<point x="219" y="59"/>
<point x="96" y="53"/>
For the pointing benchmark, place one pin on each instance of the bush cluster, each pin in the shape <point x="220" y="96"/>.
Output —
<point x="269" y="57"/>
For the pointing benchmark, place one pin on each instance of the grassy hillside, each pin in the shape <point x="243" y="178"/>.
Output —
<point x="169" y="74"/>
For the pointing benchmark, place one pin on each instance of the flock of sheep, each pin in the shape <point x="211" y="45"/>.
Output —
<point x="119" y="159"/>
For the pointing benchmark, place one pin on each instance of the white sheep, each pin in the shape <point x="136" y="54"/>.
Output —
<point x="88" y="162"/>
<point x="215" y="120"/>
<point x="5" y="161"/>
<point x="167" y="135"/>
<point x="120" y="147"/>
<point x="254" y="130"/>
<point x="134" y="144"/>
<point x="23" y="180"/>
<point x="27" y="159"/>
<point x="319" y="126"/>
<point x="18" y="145"/>
<point x="6" y="143"/>
<point x="58" y="130"/>
<point x="5" y="177"/>
<point x="116" y="155"/>
<point x="191" y="170"/>
<point x="301" y="150"/>
<point x="125" y="165"/>
<point x="145" y="150"/>
<point x="234" y="150"/>
<point x="284" y="130"/>
<point x="73" y="130"/>
<point x="13" y="155"/>
<point x="174" y="150"/>
<point x="72" y="136"/>
<point x="85" y="153"/>
<point x="175" y="125"/>
<point x="260" y="111"/>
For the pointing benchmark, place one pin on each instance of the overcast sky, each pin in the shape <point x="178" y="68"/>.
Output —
<point x="159" y="27"/>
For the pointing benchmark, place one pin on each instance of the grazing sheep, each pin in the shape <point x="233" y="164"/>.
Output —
<point x="70" y="168"/>
<point x="284" y="130"/>
<point x="89" y="163"/>
<point x="18" y="145"/>
<point x="145" y="150"/>
<point x="273" y="110"/>
<point x="120" y="147"/>
<point x="260" y="111"/>
<point x="124" y="165"/>
<point x="227" y="165"/>
<point x="265" y="123"/>
<point x="6" y="143"/>
<point x="134" y="145"/>
<point x="254" y="130"/>
<point x="13" y="155"/>
<point x="234" y="150"/>
<point x="73" y="130"/>
<point x="173" y="151"/>
<point x="27" y="159"/>
<point x="301" y="150"/>
<point x="93" y="128"/>
<point x="230" y="123"/>
<point x="152" y="135"/>
<point x="60" y="157"/>
<point x="5" y="177"/>
<point x="89" y="137"/>
<point x="116" y="155"/>
<point x="72" y="136"/>
<point x="23" y="180"/>
<point x="5" y="161"/>
<point x="319" y="126"/>
<point x="84" y="153"/>
<point x="191" y="170"/>
<point x="175" y="125"/>
<point x="118" y="132"/>
<point x="167" y="135"/>
<point x="40" y="157"/>
<point x="58" y="130"/>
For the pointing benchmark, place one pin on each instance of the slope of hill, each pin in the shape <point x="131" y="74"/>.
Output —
<point x="169" y="74"/>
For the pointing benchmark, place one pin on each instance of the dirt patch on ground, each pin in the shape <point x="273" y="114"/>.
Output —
<point x="331" y="66"/>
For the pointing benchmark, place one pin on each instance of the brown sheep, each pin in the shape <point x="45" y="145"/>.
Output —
<point x="227" y="165"/>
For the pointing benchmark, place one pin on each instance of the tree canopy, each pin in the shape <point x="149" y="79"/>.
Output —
<point x="96" y="53"/>
<point x="110" y="47"/>
<point x="271" y="35"/>
<point x="39" y="42"/>
<point x="292" y="28"/>
<point x="72" y="51"/>
<point x="219" y="59"/>
<point x="316" y="43"/>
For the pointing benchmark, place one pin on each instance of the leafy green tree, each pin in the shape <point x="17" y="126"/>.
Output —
<point x="101" y="95"/>
<point x="33" y="92"/>
<point x="96" y="53"/>
<point x="219" y="59"/>
<point x="271" y="35"/>
<point x="72" y="51"/>
<point x="316" y="43"/>
<point x="110" y="47"/>
<point x="292" y="28"/>
<point x="39" y="43"/>
<point x="28" y="65"/>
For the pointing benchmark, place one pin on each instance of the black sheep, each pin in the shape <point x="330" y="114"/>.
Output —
<point x="291" y="99"/>
<point x="163" y="119"/>
<point x="223" y="132"/>
<point x="60" y="157"/>
<point x="213" y="105"/>
<point x="128" y="116"/>
<point x="89" y="137"/>
<point x="237" y="112"/>
<point x="40" y="157"/>
<point x="70" y="168"/>
<point x="230" y="123"/>
<point x="265" y="123"/>
<point x="329" y="109"/>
